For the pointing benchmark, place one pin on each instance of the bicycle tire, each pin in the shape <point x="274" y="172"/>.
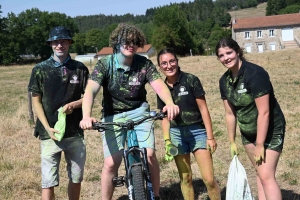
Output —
<point x="138" y="183"/>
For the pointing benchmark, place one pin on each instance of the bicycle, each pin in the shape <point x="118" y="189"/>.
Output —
<point x="137" y="178"/>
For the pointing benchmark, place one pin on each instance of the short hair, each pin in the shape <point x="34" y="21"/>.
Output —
<point x="164" y="51"/>
<point x="232" y="44"/>
<point x="126" y="34"/>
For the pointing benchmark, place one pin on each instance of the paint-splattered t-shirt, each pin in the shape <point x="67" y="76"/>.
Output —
<point x="184" y="93"/>
<point x="252" y="82"/>
<point x="59" y="84"/>
<point x="123" y="89"/>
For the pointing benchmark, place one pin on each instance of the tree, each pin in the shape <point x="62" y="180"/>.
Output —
<point x="274" y="6"/>
<point x="290" y="9"/>
<point x="171" y="30"/>
<point x="31" y="29"/>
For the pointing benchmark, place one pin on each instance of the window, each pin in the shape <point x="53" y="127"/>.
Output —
<point x="259" y="35"/>
<point x="247" y="35"/>
<point x="271" y="33"/>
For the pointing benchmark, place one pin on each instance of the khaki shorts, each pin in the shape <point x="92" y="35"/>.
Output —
<point x="74" y="153"/>
<point x="273" y="141"/>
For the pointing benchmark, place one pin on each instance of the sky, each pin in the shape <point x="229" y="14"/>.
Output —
<point x="75" y="8"/>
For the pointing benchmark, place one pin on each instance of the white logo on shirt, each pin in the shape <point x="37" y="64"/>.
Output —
<point x="134" y="81"/>
<point x="182" y="91"/>
<point x="74" y="77"/>
<point x="242" y="89"/>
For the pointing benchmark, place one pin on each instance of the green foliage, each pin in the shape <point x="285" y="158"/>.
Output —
<point x="290" y="9"/>
<point x="274" y="6"/>
<point x="183" y="26"/>
<point x="31" y="29"/>
<point x="171" y="30"/>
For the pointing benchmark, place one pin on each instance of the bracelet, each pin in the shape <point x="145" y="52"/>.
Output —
<point x="211" y="138"/>
<point x="167" y="140"/>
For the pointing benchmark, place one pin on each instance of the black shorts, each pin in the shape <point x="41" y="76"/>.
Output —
<point x="274" y="141"/>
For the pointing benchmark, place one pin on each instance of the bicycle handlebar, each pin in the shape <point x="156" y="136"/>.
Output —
<point x="130" y="124"/>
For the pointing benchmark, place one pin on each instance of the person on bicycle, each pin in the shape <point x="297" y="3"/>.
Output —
<point x="55" y="83"/>
<point x="123" y="76"/>
<point x="191" y="130"/>
<point x="250" y="103"/>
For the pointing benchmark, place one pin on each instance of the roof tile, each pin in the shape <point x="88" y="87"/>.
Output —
<point x="267" y="21"/>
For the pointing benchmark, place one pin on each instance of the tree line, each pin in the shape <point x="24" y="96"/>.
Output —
<point x="194" y="26"/>
<point x="279" y="7"/>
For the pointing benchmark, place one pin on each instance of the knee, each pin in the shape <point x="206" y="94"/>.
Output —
<point x="110" y="167"/>
<point x="209" y="181"/>
<point x="266" y="178"/>
<point x="152" y="158"/>
<point x="186" y="179"/>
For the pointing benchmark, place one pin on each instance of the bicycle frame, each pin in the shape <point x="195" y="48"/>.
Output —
<point x="135" y="159"/>
<point x="136" y="156"/>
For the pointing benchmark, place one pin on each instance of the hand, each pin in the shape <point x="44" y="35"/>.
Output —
<point x="211" y="145"/>
<point x="86" y="123"/>
<point x="68" y="108"/>
<point x="51" y="132"/>
<point x="259" y="154"/>
<point x="233" y="149"/>
<point x="172" y="111"/>
<point x="168" y="157"/>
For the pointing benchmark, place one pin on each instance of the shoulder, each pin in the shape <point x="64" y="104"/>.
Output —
<point x="78" y="64"/>
<point x="43" y="65"/>
<point x="189" y="76"/>
<point x="142" y="59"/>
<point x="224" y="76"/>
<point x="254" y="70"/>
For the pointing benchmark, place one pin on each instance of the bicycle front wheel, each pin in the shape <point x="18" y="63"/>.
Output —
<point x="138" y="182"/>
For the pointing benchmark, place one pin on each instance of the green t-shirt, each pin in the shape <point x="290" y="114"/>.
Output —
<point x="59" y="84"/>
<point x="252" y="82"/>
<point x="123" y="89"/>
<point x="184" y="93"/>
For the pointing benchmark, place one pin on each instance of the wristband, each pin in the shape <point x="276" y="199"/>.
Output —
<point x="211" y="139"/>
<point x="167" y="140"/>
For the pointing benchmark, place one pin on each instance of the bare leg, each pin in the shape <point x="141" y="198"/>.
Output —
<point x="109" y="171"/>
<point x="185" y="173"/>
<point x="268" y="187"/>
<point x="74" y="190"/>
<point x="48" y="193"/>
<point x="205" y="164"/>
<point x="154" y="170"/>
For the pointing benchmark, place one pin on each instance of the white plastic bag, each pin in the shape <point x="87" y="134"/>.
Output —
<point x="237" y="183"/>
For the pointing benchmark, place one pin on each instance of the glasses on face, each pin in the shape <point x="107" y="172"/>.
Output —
<point x="61" y="42"/>
<point x="171" y="62"/>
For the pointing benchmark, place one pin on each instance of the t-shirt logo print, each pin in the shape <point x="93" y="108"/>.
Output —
<point x="134" y="81"/>
<point x="182" y="91"/>
<point x="242" y="89"/>
<point x="74" y="77"/>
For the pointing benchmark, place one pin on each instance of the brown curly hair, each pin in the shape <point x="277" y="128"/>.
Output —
<point x="126" y="34"/>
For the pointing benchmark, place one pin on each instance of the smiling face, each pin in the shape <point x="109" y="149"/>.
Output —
<point x="229" y="58"/>
<point x="60" y="49"/>
<point x="168" y="64"/>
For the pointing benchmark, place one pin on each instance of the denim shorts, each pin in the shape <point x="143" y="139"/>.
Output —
<point x="114" y="138"/>
<point x="273" y="141"/>
<point x="188" y="138"/>
<point x="75" y="155"/>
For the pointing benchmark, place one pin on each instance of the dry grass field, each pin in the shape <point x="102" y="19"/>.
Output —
<point x="258" y="11"/>
<point x="20" y="151"/>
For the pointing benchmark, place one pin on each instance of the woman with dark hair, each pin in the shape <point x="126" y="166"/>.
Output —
<point x="191" y="130"/>
<point x="249" y="101"/>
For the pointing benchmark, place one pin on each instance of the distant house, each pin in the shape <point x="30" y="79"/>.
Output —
<point x="146" y="51"/>
<point x="90" y="57"/>
<point x="267" y="33"/>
